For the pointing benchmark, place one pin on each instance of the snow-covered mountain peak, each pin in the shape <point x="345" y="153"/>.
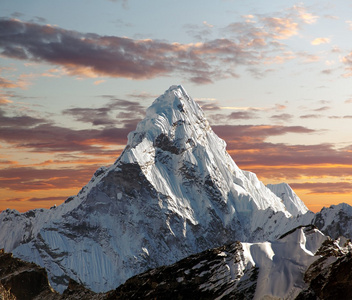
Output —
<point x="173" y="123"/>
<point x="174" y="191"/>
<point x="292" y="202"/>
<point x="178" y="152"/>
<point x="175" y="98"/>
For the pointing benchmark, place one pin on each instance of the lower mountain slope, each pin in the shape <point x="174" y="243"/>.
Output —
<point x="301" y="264"/>
<point x="295" y="266"/>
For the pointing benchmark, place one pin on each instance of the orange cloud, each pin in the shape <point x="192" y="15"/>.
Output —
<point x="347" y="61"/>
<point x="34" y="179"/>
<point x="330" y="188"/>
<point x="4" y="100"/>
<point x="99" y="82"/>
<point x="281" y="28"/>
<point x="321" y="40"/>
<point x="305" y="16"/>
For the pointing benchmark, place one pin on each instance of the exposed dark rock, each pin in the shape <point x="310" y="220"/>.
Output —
<point x="165" y="143"/>
<point x="202" y="276"/>
<point x="329" y="281"/>
<point x="79" y="292"/>
<point x="22" y="280"/>
<point x="306" y="229"/>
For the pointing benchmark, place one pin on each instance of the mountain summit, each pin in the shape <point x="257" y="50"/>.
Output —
<point x="174" y="191"/>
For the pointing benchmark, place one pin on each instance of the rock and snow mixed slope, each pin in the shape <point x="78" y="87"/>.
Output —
<point x="173" y="192"/>
<point x="302" y="264"/>
<point x="335" y="220"/>
<point x="287" y="268"/>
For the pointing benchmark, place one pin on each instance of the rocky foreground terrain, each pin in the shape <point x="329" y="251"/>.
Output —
<point x="23" y="280"/>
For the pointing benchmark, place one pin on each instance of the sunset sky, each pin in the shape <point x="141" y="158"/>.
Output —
<point x="273" y="77"/>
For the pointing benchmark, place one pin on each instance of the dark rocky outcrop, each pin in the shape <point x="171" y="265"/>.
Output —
<point x="329" y="281"/>
<point x="22" y="280"/>
<point x="201" y="276"/>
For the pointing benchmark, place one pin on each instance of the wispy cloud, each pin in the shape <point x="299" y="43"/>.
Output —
<point x="347" y="61"/>
<point x="245" y="115"/>
<point x="93" y="55"/>
<point x="18" y="121"/>
<point x="249" y="147"/>
<point x="337" y="187"/>
<point x="320" y="40"/>
<point x="282" y="117"/>
<point x="104" y="115"/>
<point x="305" y="16"/>
<point x="41" y="135"/>
<point x="281" y="28"/>
<point x="311" y="116"/>
<point x="323" y="108"/>
<point x="5" y="83"/>
<point x="34" y="179"/>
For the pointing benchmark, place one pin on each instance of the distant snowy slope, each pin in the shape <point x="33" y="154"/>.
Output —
<point x="335" y="220"/>
<point x="291" y="201"/>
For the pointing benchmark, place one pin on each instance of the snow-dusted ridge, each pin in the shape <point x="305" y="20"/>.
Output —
<point x="174" y="191"/>
<point x="287" y="268"/>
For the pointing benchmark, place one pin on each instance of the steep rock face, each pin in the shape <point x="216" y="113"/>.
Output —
<point x="173" y="192"/>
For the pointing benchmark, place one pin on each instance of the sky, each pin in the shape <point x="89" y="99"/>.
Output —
<point x="273" y="78"/>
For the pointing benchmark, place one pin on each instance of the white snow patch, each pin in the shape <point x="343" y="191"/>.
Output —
<point x="282" y="263"/>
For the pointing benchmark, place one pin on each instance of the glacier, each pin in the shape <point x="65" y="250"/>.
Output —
<point x="174" y="191"/>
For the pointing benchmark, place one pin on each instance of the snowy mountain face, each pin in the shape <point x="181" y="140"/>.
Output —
<point x="291" y="201"/>
<point x="335" y="220"/>
<point x="173" y="192"/>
